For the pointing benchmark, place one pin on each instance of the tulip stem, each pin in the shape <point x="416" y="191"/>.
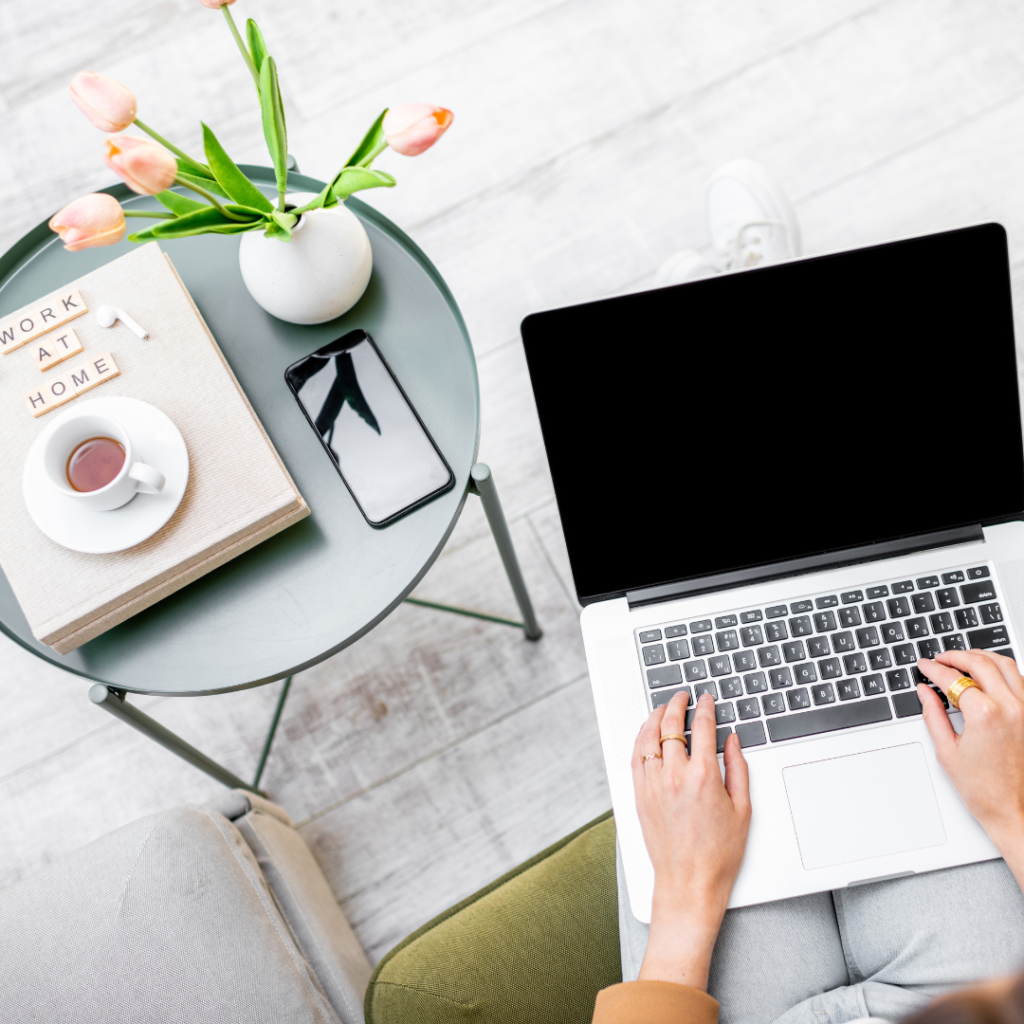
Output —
<point x="211" y="199"/>
<point x="168" y="145"/>
<point x="249" y="62"/>
<point x="152" y="214"/>
<point x="373" y="154"/>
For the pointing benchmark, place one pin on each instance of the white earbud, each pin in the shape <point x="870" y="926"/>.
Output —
<point x="107" y="316"/>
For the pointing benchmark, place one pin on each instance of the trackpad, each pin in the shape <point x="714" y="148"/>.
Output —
<point x="863" y="805"/>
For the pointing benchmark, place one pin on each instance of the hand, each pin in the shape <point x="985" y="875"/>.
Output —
<point x="695" y="829"/>
<point x="986" y="762"/>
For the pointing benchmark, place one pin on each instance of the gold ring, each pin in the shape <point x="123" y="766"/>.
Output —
<point x="963" y="683"/>
<point x="650" y="757"/>
<point x="672" y="736"/>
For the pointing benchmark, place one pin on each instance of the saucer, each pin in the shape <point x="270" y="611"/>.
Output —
<point x="155" y="441"/>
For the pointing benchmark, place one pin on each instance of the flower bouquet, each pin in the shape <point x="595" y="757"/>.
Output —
<point x="229" y="203"/>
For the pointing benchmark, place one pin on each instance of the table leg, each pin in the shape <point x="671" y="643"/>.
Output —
<point x="482" y="483"/>
<point x="113" y="701"/>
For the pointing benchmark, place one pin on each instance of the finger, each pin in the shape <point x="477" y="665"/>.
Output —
<point x="1009" y="671"/>
<point x="737" y="777"/>
<point x="672" y="725"/>
<point x="938" y="724"/>
<point x="703" y="744"/>
<point x="944" y="677"/>
<point x="636" y="764"/>
<point x="979" y="667"/>
<point x="650" y="734"/>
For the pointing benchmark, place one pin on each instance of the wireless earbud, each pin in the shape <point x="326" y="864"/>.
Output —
<point x="107" y="316"/>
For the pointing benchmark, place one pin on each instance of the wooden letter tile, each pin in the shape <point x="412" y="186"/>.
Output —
<point x="97" y="370"/>
<point x="55" y="348"/>
<point x="32" y="321"/>
<point x="53" y="392"/>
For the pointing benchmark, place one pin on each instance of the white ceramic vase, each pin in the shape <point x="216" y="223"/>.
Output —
<point x="318" y="275"/>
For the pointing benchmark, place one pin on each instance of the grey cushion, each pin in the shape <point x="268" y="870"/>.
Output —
<point x="167" y="919"/>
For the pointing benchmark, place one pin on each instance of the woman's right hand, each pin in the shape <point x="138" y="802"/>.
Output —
<point x="986" y="762"/>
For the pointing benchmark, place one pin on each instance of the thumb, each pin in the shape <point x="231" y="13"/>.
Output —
<point x="938" y="724"/>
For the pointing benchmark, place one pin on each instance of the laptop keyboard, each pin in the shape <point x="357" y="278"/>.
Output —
<point x="827" y="662"/>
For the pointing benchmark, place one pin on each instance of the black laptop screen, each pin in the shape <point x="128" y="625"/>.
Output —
<point x="782" y="412"/>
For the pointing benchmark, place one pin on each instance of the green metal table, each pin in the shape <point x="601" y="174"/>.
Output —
<point x="317" y="587"/>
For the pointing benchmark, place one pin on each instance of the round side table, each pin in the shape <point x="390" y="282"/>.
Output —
<point x="318" y="586"/>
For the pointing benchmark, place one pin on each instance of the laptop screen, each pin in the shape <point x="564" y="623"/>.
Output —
<point x="781" y="412"/>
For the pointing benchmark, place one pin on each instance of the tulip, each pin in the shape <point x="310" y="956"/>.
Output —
<point x="214" y="4"/>
<point x="108" y="104"/>
<point x="413" y="128"/>
<point x="90" y="221"/>
<point x="145" y="167"/>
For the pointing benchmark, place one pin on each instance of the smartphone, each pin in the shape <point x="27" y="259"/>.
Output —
<point x="367" y="425"/>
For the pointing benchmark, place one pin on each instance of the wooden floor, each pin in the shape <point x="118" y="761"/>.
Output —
<point x="439" y="751"/>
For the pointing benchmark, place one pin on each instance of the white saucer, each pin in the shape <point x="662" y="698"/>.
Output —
<point x="155" y="440"/>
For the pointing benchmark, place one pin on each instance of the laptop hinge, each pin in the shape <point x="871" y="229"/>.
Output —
<point x="812" y="563"/>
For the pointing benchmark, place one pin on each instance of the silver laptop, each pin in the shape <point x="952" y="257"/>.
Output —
<point x="781" y="487"/>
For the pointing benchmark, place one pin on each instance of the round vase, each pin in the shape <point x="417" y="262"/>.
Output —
<point x="318" y="275"/>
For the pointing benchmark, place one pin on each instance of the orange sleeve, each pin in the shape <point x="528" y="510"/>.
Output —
<point x="654" y="1002"/>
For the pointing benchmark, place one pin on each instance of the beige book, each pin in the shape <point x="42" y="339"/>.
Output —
<point x="239" y="492"/>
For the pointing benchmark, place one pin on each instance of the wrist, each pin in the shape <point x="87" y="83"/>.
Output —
<point x="681" y="940"/>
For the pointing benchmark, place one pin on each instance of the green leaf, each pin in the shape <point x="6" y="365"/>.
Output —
<point x="355" y="179"/>
<point x="257" y="47"/>
<point x="275" y="230"/>
<point x="189" y="166"/>
<point x="179" y="204"/>
<point x="371" y="140"/>
<point x="207" y="183"/>
<point x="274" y="128"/>
<point x="197" y="223"/>
<point x="233" y="181"/>
<point x="325" y="198"/>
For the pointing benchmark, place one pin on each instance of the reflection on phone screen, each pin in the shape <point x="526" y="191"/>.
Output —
<point x="381" y="449"/>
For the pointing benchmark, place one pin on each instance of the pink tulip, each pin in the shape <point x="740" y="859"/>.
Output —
<point x="216" y="3"/>
<point x="90" y="221"/>
<point x="108" y="104"/>
<point x="145" y="167"/>
<point x="413" y="128"/>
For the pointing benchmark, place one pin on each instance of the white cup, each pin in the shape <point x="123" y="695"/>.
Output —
<point x="77" y="427"/>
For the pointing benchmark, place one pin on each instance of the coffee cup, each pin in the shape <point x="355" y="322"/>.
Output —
<point x="74" y="429"/>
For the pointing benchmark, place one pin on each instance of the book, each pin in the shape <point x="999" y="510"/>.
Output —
<point x="239" y="491"/>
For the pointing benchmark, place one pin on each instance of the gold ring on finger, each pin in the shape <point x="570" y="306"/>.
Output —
<point x="955" y="691"/>
<point x="650" y="757"/>
<point x="672" y="736"/>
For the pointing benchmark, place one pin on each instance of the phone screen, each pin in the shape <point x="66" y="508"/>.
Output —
<point x="376" y="440"/>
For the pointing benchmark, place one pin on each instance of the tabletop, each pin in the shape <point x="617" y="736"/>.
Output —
<point x="318" y="586"/>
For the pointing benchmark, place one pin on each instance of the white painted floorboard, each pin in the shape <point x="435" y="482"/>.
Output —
<point x="438" y="752"/>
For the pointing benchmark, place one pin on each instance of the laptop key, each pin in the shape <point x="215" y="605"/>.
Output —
<point x="830" y="668"/>
<point x="721" y="735"/>
<point x="923" y="603"/>
<point x="849" y="617"/>
<point x="773" y="704"/>
<point x="754" y="616"/>
<point x="725" y="621"/>
<point x="942" y="622"/>
<point x="701" y="688"/>
<point x="972" y="593"/>
<point x="906" y="704"/>
<point x="768" y="656"/>
<point x="904" y="654"/>
<point x="855" y="664"/>
<point x="780" y="678"/>
<point x="899" y="607"/>
<point x="666" y="676"/>
<point x="751" y="734"/>
<point x="994" y="637"/>
<point x="678" y="650"/>
<point x="727" y="641"/>
<point x="978" y="573"/>
<point x="954" y="643"/>
<point x="703" y="645"/>
<point x="798" y="699"/>
<point x="902" y="588"/>
<point x="776" y="631"/>
<point x="731" y="687"/>
<point x="867" y="637"/>
<point x="874" y="592"/>
<point x="926" y="582"/>
<point x="654" y="655"/>
<point x="818" y="646"/>
<point x="852" y="597"/>
<point x="650" y="635"/>
<point x="823" y="694"/>
<point x="724" y="713"/>
<point x="826" y="602"/>
<point x="874" y="612"/>
<point x="872" y="685"/>
<point x="794" y="651"/>
<point x="991" y="613"/>
<point x="898" y="679"/>
<point x="892" y="632"/>
<point x="800" y="626"/>
<point x="1006" y="652"/>
<point x="842" y="642"/>
<point x="966" y="617"/>
<point x="751" y="636"/>
<point x="825" y="622"/>
<point x="660" y="697"/>
<point x="777" y="611"/>
<point x="879" y="659"/>
<point x="695" y="670"/>
<point x="671" y="631"/>
<point x="829" y="719"/>
<point x="847" y="689"/>
<point x="720" y="665"/>
<point x="948" y="598"/>
<point x="755" y="682"/>
<point x="701" y="626"/>
<point x="744" y="661"/>
<point x="749" y="707"/>
<point x="929" y="648"/>
<point x="917" y="628"/>
<point x="953" y="577"/>
<point x="806" y="673"/>
<point x="801" y="606"/>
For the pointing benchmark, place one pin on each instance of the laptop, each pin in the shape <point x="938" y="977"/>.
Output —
<point x="782" y="486"/>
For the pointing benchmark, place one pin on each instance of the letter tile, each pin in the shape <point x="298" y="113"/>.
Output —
<point x="97" y="370"/>
<point x="54" y="392"/>
<point x="28" y="324"/>
<point x="55" y="348"/>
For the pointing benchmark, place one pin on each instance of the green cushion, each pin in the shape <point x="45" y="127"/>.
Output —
<point x="535" y="946"/>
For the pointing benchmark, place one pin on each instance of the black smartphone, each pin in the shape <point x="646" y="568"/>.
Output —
<point x="367" y="425"/>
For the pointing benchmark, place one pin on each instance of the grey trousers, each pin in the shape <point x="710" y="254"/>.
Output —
<point x="882" y="950"/>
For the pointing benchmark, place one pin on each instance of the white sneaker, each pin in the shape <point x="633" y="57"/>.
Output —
<point x="687" y="265"/>
<point x="751" y="220"/>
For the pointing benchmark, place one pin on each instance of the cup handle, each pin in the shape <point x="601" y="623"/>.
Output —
<point x="147" y="479"/>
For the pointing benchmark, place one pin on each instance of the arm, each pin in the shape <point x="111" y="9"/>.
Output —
<point x="986" y="762"/>
<point x="695" y="827"/>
